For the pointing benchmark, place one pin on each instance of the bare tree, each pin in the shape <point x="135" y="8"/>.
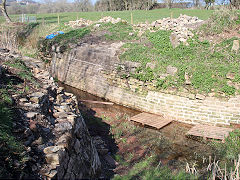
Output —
<point x="120" y="5"/>
<point x="83" y="5"/>
<point x="196" y="3"/>
<point x="235" y="3"/>
<point x="169" y="3"/>
<point x="208" y="3"/>
<point x="4" y="11"/>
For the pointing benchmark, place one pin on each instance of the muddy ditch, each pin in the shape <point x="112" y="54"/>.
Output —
<point x="128" y="143"/>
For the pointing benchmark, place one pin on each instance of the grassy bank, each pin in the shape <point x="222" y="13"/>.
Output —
<point x="12" y="157"/>
<point x="138" y="15"/>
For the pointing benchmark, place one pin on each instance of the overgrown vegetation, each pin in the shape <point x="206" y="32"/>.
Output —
<point x="62" y="40"/>
<point x="229" y="151"/>
<point x="205" y="65"/>
<point x="221" y="20"/>
<point x="147" y="169"/>
<point x="11" y="148"/>
<point x="119" y="31"/>
<point x="22" y="71"/>
<point x="12" y="158"/>
<point x="225" y="160"/>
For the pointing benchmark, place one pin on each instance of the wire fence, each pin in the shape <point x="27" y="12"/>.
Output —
<point x="25" y="18"/>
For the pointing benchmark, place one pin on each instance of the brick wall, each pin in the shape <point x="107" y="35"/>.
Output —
<point x="97" y="70"/>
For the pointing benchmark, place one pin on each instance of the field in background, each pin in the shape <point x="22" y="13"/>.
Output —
<point x="138" y="15"/>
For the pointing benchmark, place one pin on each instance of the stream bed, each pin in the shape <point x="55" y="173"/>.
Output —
<point x="129" y="143"/>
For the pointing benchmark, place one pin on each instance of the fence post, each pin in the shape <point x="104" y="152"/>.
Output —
<point x="131" y="18"/>
<point x="43" y="22"/>
<point x="58" y="19"/>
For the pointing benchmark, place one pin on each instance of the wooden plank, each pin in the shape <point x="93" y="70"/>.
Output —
<point x="152" y="120"/>
<point x="97" y="102"/>
<point x="162" y="124"/>
<point x="212" y="132"/>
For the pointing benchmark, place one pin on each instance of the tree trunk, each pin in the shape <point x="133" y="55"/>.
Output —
<point x="126" y="5"/>
<point x="4" y="11"/>
<point x="110" y="5"/>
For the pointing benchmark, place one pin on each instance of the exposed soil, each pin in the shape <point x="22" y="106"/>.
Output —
<point x="132" y="142"/>
<point x="227" y="34"/>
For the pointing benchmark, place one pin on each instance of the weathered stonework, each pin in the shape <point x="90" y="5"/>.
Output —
<point x="96" y="69"/>
<point x="72" y="154"/>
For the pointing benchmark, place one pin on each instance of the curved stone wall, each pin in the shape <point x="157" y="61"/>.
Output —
<point x="95" y="68"/>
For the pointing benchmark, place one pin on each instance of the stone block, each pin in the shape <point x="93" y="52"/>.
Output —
<point x="51" y="149"/>
<point x="52" y="158"/>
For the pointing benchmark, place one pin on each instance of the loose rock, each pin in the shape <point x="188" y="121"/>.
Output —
<point x="235" y="46"/>
<point x="171" y="70"/>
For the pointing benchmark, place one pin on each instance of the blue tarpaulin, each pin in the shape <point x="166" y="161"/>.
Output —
<point x="51" y="36"/>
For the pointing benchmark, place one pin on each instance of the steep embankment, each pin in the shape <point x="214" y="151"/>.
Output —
<point x="52" y="134"/>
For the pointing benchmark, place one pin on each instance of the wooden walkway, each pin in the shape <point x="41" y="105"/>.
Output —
<point x="212" y="132"/>
<point x="152" y="120"/>
<point x="204" y="131"/>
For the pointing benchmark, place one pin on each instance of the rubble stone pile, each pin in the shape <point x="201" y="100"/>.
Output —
<point x="180" y="26"/>
<point x="109" y="19"/>
<point x="80" y="23"/>
<point x="84" y="22"/>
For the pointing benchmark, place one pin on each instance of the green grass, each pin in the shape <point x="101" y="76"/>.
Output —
<point x="29" y="47"/>
<point x="221" y="20"/>
<point x="138" y="15"/>
<point x="228" y="151"/>
<point x="119" y="31"/>
<point x="10" y="147"/>
<point x="24" y="72"/>
<point x="146" y="170"/>
<point x="62" y="40"/>
<point x="207" y="66"/>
